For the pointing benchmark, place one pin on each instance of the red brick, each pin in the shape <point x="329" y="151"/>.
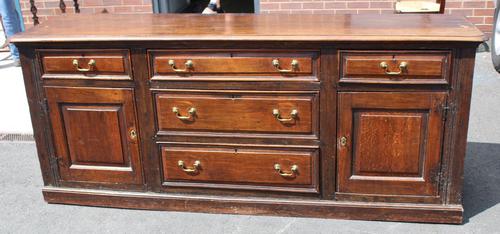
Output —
<point x="464" y="12"/>
<point x="51" y="4"/>
<point x="91" y="3"/>
<point x="45" y="12"/>
<point x="476" y="20"/>
<point x="269" y="6"/>
<point x="490" y="4"/>
<point x="450" y="5"/>
<point x="132" y="2"/>
<point x="343" y="12"/>
<point x="111" y="2"/>
<point x="313" y="5"/>
<point x="357" y="5"/>
<point x="484" y="12"/>
<point x="381" y="5"/>
<point x="479" y="4"/>
<point x="291" y="5"/>
<point x="335" y="5"/>
<point x="488" y="20"/>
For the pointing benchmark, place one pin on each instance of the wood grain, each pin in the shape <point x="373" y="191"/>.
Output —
<point x="241" y="166"/>
<point x="250" y="27"/>
<point x="109" y="64"/>
<point x="237" y="113"/>
<point x="393" y="144"/>
<point x="430" y="67"/>
<point x="91" y="133"/>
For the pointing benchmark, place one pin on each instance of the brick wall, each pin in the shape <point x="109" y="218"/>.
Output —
<point x="479" y="12"/>
<point x="48" y="8"/>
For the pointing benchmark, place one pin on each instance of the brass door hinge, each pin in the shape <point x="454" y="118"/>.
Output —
<point x="446" y="110"/>
<point x="54" y="161"/>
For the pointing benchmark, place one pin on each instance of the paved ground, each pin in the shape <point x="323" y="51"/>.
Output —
<point x="22" y="209"/>
<point x="13" y="99"/>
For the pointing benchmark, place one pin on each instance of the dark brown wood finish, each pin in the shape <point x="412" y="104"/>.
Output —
<point x="250" y="65"/>
<point x="390" y="143"/>
<point x="95" y="134"/>
<point x="240" y="168"/>
<point x="403" y="155"/>
<point x="248" y="27"/>
<point x="431" y="67"/>
<point x="236" y="112"/>
<point x="109" y="64"/>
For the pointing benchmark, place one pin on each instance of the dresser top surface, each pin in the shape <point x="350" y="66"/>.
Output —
<point x="251" y="27"/>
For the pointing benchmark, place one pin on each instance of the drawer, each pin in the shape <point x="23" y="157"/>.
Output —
<point x="86" y="64"/>
<point x="237" y="113"/>
<point x="295" y="171"/>
<point x="395" y="67"/>
<point x="233" y="65"/>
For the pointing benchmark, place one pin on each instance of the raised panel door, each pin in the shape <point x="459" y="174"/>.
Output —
<point x="390" y="143"/>
<point x="95" y="134"/>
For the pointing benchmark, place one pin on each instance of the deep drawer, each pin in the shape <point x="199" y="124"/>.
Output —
<point x="237" y="113"/>
<point x="395" y="67"/>
<point x="233" y="65"/>
<point x="86" y="64"/>
<point x="240" y="168"/>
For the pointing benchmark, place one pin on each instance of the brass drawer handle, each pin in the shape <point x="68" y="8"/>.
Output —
<point x="402" y="66"/>
<point x="188" y="64"/>
<point x="294" y="64"/>
<point x="293" y="115"/>
<point x="191" y="112"/>
<point x="294" y="169"/>
<point x="91" y="65"/>
<point x="195" y="168"/>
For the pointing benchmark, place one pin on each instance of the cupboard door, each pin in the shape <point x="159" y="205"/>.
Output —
<point x="95" y="134"/>
<point x="389" y="144"/>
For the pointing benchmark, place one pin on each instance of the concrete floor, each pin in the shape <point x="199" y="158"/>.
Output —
<point x="24" y="211"/>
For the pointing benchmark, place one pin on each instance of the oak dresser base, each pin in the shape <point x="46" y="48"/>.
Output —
<point x="290" y="115"/>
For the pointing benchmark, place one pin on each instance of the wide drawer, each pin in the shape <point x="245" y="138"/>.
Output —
<point x="240" y="168"/>
<point x="233" y="65"/>
<point x="395" y="67"/>
<point x="86" y="64"/>
<point x="237" y="112"/>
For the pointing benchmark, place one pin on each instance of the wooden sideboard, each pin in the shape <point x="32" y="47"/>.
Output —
<point x="350" y="116"/>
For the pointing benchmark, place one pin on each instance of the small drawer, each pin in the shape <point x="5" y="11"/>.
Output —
<point x="294" y="171"/>
<point x="86" y="64"/>
<point x="395" y="67"/>
<point x="237" y="113"/>
<point x="167" y="65"/>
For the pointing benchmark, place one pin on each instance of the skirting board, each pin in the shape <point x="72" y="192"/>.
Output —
<point x="257" y="206"/>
